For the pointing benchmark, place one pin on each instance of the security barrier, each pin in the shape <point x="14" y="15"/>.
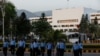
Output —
<point x="91" y="41"/>
<point x="69" y="50"/>
<point x="86" y="51"/>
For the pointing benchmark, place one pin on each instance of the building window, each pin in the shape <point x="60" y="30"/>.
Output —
<point x="93" y="15"/>
<point x="67" y="21"/>
<point x="77" y="26"/>
<point x="63" y="25"/>
<point x="71" y="25"/>
<point x="70" y="30"/>
<point x="55" y="25"/>
<point x="67" y="25"/>
<point x="50" y="22"/>
<point x="97" y="14"/>
<point x="65" y="30"/>
<point x="49" y="18"/>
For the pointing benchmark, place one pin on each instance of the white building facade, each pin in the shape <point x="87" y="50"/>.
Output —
<point x="67" y="19"/>
<point x="94" y="15"/>
<point x="64" y="19"/>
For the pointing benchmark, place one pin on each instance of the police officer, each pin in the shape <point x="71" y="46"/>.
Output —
<point x="49" y="48"/>
<point x="42" y="46"/>
<point x="12" y="46"/>
<point x="5" y="47"/>
<point x="24" y="45"/>
<point x="80" y="48"/>
<point x="57" y="49"/>
<point x="31" y="48"/>
<point x="21" y="45"/>
<point x="62" y="48"/>
<point x="39" y="49"/>
<point x="35" y="48"/>
<point x="75" y="49"/>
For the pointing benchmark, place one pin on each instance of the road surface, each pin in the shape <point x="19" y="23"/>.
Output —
<point x="66" y="54"/>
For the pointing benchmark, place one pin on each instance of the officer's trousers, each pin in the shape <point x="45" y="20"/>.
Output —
<point x="12" y="49"/>
<point x="5" y="51"/>
<point x="35" y="51"/>
<point x="61" y="52"/>
<point x="20" y="51"/>
<point x="42" y="51"/>
<point x="31" y="52"/>
<point x="49" y="52"/>
<point x="57" y="52"/>
<point x="80" y="52"/>
<point x="76" y="52"/>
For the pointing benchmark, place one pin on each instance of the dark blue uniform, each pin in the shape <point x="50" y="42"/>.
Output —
<point x="80" y="48"/>
<point x="76" y="49"/>
<point x="49" y="48"/>
<point x="35" y="48"/>
<point x="31" y="49"/>
<point x="62" y="48"/>
<point x="42" y="46"/>
<point x="24" y="45"/>
<point x="5" y="47"/>
<point x="57" y="49"/>
<point x="21" y="46"/>
<point x="12" y="46"/>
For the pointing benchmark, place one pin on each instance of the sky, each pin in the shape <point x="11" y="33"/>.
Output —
<point x="45" y="5"/>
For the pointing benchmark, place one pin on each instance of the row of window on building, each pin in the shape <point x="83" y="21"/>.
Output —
<point x="69" y="30"/>
<point x="95" y="15"/>
<point x="65" y="26"/>
<point x="67" y="21"/>
<point x="60" y="21"/>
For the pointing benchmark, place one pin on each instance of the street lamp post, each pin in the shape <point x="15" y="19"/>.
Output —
<point x="3" y="15"/>
<point x="11" y="28"/>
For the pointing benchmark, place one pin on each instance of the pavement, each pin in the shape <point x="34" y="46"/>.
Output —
<point x="66" y="54"/>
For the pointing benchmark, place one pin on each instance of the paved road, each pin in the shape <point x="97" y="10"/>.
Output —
<point x="66" y="54"/>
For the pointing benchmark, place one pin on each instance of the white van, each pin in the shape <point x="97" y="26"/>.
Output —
<point x="75" y="36"/>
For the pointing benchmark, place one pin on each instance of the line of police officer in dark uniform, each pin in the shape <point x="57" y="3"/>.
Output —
<point x="38" y="48"/>
<point x="12" y="44"/>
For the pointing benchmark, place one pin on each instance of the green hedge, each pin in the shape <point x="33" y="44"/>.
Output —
<point x="69" y="46"/>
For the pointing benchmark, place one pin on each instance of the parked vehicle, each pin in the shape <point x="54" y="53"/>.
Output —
<point x="76" y="36"/>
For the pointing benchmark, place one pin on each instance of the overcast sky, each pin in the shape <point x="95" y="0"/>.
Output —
<point x="44" y="5"/>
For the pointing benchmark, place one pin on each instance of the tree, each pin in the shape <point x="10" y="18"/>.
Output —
<point x="94" y="29"/>
<point x="96" y="21"/>
<point x="84" y="24"/>
<point x="43" y="18"/>
<point x="55" y="35"/>
<point x="23" y="25"/>
<point x="41" y="27"/>
<point x="10" y="14"/>
<point x="58" y="35"/>
<point x="45" y="31"/>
